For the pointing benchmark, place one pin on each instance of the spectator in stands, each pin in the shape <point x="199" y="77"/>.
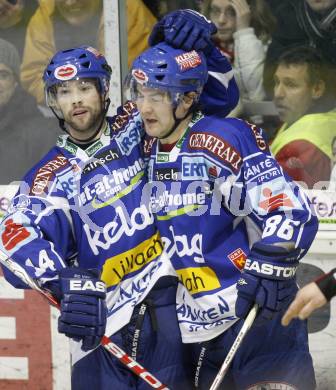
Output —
<point x="333" y="165"/>
<point x="311" y="297"/>
<point x="304" y="97"/>
<point x="25" y="135"/>
<point x="59" y="24"/>
<point x="244" y="29"/>
<point x="302" y="23"/>
<point x="14" y="18"/>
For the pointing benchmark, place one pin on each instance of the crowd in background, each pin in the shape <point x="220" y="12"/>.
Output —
<point x="283" y="55"/>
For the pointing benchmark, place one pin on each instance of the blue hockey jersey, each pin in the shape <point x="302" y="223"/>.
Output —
<point x="215" y="194"/>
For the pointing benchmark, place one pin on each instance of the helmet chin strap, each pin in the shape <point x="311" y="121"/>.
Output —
<point x="177" y="121"/>
<point x="61" y="123"/>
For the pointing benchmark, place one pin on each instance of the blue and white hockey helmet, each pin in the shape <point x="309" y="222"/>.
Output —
<point x="77" y="63"/>
<point x="166" y="68"/>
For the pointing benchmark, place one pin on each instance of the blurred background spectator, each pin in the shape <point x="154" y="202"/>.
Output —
<point x="25" y="135"/>
<point x="60" y="24"/>
<point x="304" y="95"/>
<point x="302" y="22"/>
<point x="244" y="31"/>
<point x="14" y="17"/>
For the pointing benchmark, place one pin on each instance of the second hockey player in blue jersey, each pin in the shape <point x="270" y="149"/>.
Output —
<point x="232" y="223"/>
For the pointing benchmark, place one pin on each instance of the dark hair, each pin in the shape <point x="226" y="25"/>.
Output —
<point x="306" y="55"/>
<point x="319" y="69"/>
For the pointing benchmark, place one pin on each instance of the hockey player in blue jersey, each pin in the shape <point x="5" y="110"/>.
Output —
<point x="79" y="218"/>
<point x="233" y="224"/>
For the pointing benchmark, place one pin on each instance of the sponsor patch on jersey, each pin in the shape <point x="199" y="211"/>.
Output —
<point x="194" y="168"/>
<point x="148" y="145"/>
<point x="140" y="76"/>
<point x="101" y="159"/>
<point x="167" y="174"/>
<point x="127" y="140"/>
<point x="198" y="279"/>
<point x="261" y="171"/>
<point x="262" y="145"/>
<point x="272" y="386"/>
<point x="123" y="117"/>
<point x="238" y="258"/>
<point x="188" y="60"/>
<point x="13" y="234"/>
<point x="214" y="171"/>
<point x="112" y="186"/>
<point x="65" y="72"/>
<point x="46" y="172"/>
<point x="94" y="51"/>
<point x="217" y="147"/>
<point x="274" y="202"/>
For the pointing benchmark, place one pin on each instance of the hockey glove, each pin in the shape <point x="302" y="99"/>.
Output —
<point x="83" y="307"/>
<point x="268" y="279"/>
<point x="184" y="29"/>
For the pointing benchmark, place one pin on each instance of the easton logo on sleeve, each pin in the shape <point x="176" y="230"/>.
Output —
<point x="218" y="147"/>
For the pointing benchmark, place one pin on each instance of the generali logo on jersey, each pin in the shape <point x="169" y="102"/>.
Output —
<point x="45" y="173"/>
<point x="14" y="233"/>
<point x="238" y="258"/>
<point x="188" y="60"/>
<point x="65" y="72"/>
<point x="218" y="147"/>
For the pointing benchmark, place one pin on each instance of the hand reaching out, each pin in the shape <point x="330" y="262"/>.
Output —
<point x="243" y="13"/>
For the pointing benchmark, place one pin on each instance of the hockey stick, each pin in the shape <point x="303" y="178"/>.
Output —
<point x="106" y="342"/>
<point x="236" y="344"/>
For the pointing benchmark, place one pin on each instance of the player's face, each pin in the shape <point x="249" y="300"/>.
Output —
<point x="293" y="93"/>
<point x="8" y="84"/>
<point x="320" y="5"/>
<point x="81" y="106"/>
<point x="224" y="17"/>
<point x="156" y="111"/>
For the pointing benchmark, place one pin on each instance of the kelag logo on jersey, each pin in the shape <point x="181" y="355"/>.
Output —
<point x="101" y="159"/>
<point x="127" y="140"/>
<point x="169" y="174"/>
